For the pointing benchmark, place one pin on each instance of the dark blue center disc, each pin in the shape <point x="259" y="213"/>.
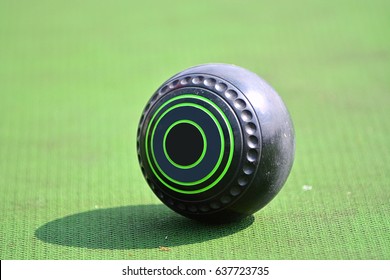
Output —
<point x="189" y="143"/>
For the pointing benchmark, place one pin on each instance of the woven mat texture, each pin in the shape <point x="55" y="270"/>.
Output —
<point x="75" y="76"/>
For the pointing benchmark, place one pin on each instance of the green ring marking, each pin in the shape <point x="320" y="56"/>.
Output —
<point x="222" y="149"/>
<point x="230" y="130"/>
<point x="204" y="144"/>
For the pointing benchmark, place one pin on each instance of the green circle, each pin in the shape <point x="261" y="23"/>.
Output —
<point x="204" y="144"/>
<point x="222" y="149"/>
<point x="230" y="130"/>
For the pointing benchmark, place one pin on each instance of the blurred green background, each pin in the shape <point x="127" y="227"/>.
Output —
<point x="75" y="76"/>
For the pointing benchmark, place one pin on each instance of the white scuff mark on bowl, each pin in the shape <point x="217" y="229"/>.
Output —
<point x="307" y="187"/>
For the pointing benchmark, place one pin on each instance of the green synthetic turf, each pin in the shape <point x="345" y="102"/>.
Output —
<point x="75" y="75"/>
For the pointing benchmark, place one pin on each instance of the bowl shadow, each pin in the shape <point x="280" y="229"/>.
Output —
<point x="132" y="227"/>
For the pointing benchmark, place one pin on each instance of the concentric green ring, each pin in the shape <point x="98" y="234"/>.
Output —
<point x="204" y="144"/>
<point x="221" y="152"/>
<point x="231" y="138"/>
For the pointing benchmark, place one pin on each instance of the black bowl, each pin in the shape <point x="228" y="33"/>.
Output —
<point x="215" y="143"/>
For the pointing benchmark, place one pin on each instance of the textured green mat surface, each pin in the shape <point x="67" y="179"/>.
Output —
<point x="75" y="75"/>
